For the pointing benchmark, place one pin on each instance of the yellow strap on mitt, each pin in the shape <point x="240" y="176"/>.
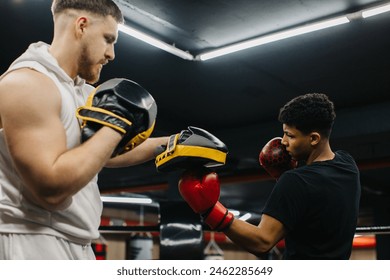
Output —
<point x="122" y="105"/>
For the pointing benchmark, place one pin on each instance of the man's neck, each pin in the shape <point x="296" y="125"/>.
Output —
<point x="322" y="152"/>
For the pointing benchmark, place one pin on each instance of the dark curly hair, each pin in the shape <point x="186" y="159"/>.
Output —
<point x="309" y="112"/>
<point x="99" y="7"/>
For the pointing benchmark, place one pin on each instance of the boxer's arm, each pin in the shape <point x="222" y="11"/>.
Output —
<point x="30" y="106"/>
<point x="256" y="239"/>
<point x="142" y="153"/>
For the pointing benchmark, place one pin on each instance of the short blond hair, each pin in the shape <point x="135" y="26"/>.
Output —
<point x="99" y="7"/>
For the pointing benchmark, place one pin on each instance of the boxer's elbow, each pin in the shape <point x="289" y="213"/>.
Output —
<point x="53" y="192"/>
<point x="262" y="247"/>
<point x="49" y="197"/>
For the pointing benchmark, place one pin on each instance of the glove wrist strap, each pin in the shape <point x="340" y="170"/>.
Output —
<point x="219" y="218"/>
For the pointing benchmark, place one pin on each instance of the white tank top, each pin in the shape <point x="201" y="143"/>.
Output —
<point x="79" y="221"/>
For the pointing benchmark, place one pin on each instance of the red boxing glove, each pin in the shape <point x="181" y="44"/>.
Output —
<point x="275" y="159"/>
<point x="200" y="189"/>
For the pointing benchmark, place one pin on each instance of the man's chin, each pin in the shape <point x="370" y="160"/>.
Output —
<point x="90" y="74"/>
<point x="92" y="79"/>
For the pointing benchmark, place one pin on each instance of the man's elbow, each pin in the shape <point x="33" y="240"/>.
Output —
<point x="263" y="248"/>
<point x="51" y="201"/>
<point x="49" y="195"/>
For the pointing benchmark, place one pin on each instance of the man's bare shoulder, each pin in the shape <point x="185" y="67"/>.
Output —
<point x="25" y="77"/>
<point x="27" y="88"/>
<point x="25" y="82"/>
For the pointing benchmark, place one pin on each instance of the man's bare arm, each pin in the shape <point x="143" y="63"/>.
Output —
<point x="30" y="107"/>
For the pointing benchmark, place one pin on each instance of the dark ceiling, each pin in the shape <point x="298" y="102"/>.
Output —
<point x="237" y="97"/>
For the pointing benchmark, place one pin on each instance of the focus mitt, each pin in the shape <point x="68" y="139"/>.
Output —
<point x="194" y="147"/>
<point x="122" y="105"/>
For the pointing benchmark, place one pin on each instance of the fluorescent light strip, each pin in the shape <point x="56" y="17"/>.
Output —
<point x="155" y="42"/>
<point x="131" y="200"/>
<point x="273" y="37"/>
<point x="375" y="11"/>
<point x="250" y="43"/>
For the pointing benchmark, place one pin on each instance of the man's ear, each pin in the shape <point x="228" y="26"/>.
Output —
<point x="81" y="24"/>
<point x="315" y="138"/>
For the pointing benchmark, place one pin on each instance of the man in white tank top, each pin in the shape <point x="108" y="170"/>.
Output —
<point x="50" y="204"/>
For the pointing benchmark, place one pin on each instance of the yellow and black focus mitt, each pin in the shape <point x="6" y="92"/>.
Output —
<point x="191" y="148"/>
<point x="122" y="105"/>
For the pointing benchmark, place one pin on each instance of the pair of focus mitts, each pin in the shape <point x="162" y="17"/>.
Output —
<point x="122" y="105"/>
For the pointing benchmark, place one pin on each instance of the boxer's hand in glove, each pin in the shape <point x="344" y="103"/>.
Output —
<point x="275" y="159"/>
<point x="200" y="188"/>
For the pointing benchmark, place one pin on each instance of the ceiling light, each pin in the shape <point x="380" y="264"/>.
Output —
<point x="155" y="42"/>
<point x="131" y="200"/>
<point x="375" y="11"/>
<point x="252" y="42"/>
<point x="273" y="37"/>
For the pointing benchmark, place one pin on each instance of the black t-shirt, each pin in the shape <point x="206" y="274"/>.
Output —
<point x="319" y="205"/>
